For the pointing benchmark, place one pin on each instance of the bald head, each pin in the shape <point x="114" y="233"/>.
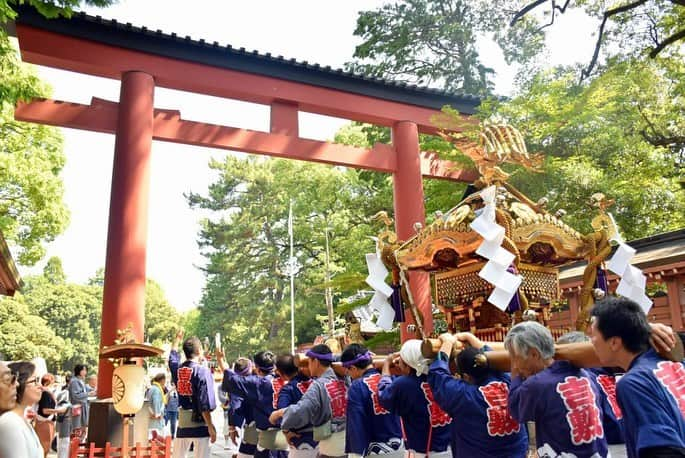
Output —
<point x="8" y="389"/>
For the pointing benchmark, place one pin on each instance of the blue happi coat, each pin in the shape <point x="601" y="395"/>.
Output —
<point x="612" y="416"/>
<point x="411" y="397"/>
<point x="652" y="398"/>
<point x="291" y="394"/>
<point x="565" y="405"/>
<point x="483" y="426"/>
<point x="371" y="428"/>
<point x="195" y="388"/>
<point x="259" y="392"/>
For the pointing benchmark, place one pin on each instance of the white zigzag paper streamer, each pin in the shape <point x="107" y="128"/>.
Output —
<point x="633" y="281"/>
<point x="382" y="291"/>
<point x="495" y="270"/>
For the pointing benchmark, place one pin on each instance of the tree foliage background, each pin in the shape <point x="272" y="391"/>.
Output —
<point x="619" y="130"/>
<point x="32" y="212"/>
<point x="246" y="243"/>
<point x="60" y="321"/>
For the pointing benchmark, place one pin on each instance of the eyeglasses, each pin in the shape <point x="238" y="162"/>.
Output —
<point x="35" y="380"/>
<point x="9" y="378"/>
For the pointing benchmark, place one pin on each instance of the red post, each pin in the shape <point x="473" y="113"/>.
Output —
<point x="74" y="448"/>
<point x="284" y="119"/>
<point x="124" y="290"/>
<point x="409" y="209"/>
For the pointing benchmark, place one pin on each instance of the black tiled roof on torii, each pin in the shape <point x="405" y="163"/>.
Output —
<point x="128" y="36"/>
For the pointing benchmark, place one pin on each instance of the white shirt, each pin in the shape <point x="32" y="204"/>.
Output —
<point x="17" y="438"/>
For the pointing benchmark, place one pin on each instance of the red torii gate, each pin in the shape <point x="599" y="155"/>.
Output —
<point x="143" y="59"/>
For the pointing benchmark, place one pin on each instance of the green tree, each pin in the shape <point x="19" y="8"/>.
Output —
<point x="72" y="312"/>
<point x="32" y="212"/>
<point x="61" y="321"/>
<point x="621" y="134"/>
<point x="247" y="248"/>
<point x="24" y="335"/>
<point x="31" y="208"/>
<point x="439" y="195"/>
<point x="53" y="271"/>
<point x="161" y="319"/>
<point x="636" y="28"/>
<point x="434" y="43"/>
<point x="49" y="9"/>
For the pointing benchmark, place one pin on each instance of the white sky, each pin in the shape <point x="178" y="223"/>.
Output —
<point x="313" y="30"/>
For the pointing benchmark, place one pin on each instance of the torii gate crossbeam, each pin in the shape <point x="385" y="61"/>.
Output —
<point x="142" y="60"/>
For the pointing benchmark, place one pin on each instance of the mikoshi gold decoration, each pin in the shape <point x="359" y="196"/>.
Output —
<point x="540" y="241"/>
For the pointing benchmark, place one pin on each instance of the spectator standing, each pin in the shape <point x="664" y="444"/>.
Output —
<point x="17" y="437"/>
<point x="225" y="401"/>
<point x="63" y="424"/>
<point x="8" y="389"/>
<point x="171" y="409"/>
<point x="67" y="380"/>
<point x="157" y="402"/>
<point x="78" y="395"/>
<point x="45" y="418"/>
<point x="92" y="386"/>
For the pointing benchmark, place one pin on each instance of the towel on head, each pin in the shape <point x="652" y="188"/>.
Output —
<point x="411" y="355"/>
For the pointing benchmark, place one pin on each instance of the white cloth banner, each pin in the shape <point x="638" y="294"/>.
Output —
<point x="379" y="304"/>
<point x="495" y="270"/>
<point x="633" y="281"/>
<point x="377" y="274"/>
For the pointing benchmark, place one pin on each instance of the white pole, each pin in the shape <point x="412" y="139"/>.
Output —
<point x="328" y="294"/>
<point x="292" y="280"/>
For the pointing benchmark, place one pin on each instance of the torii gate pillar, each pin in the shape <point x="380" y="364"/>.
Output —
<point x="124" y="290"/>
<point x="409" y="209"/>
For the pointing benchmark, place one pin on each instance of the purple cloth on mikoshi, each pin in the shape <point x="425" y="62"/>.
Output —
<point x="601" y="280"/>
<point x="396" y="302"/>
<point x="515" y="302"/>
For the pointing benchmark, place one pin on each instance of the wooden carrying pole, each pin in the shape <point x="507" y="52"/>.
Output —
<point x="302" y="361"/>
<point x="581" y="354"/>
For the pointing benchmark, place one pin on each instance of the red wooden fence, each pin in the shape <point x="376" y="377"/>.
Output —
<point x="156" y="449"/>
